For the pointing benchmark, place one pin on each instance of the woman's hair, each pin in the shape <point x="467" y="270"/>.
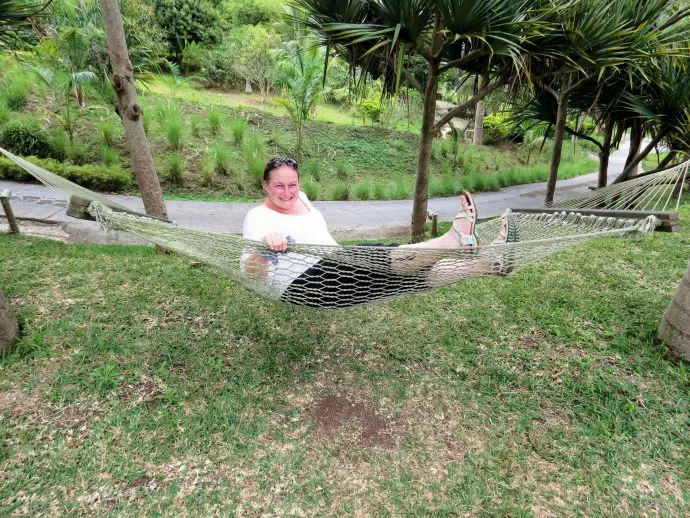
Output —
<point x="275" y="163"/>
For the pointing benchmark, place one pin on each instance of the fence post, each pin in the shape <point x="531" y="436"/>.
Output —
<point x="5" y="200"/>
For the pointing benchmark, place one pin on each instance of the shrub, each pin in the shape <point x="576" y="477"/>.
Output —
<point x="94" y="177"/>
<point x="312" y="168"/>
<point x="255" y="153"/>
<point x="213" y="122"/>
<point x="195" y="126"/>
<point x="77" y="153"/>
<point x="498" y="128"/>
<point x="371" y="109"/>
<point x="399" y="190"/>
<point x="173" y="131"/>
<point x="24" y="136"/>
<point x="109" y="156"/>
<point x="342" y="169"/>
<point x="310" y="188"/>
<point x="59" y="142"/>
<point x="363" y="190"/>
<point x="174" y="168"/>
<point x="340" y="191"/>
<point x="107" y="131"/>
<point x="16" y="90"/>
<point x="379" y="192"/>
<point x="208" y="172"/>
<point x="4" y="111"/>
<point x="239" y="128"/>
<point x="221" y="159"/>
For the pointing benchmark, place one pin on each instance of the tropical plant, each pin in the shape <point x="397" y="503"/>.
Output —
<point x="16" y="16"/>
<point x="252" y="48"/>
<point x="300" y="74"/>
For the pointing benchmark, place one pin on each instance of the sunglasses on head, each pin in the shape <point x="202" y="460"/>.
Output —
<point x="275" y="163"/>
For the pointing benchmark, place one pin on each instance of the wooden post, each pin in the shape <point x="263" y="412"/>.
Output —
<point x="5" y="200"/>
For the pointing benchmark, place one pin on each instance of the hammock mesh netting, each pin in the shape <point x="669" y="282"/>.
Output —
<point x="345" y="276"/>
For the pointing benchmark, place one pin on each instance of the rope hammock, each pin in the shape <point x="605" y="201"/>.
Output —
<point x="344" y="276"/>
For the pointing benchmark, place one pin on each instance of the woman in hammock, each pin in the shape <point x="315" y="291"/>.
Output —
<point x="334" y="276"/>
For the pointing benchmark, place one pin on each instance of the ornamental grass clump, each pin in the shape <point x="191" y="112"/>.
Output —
<point x="214" y="122"/>
<point x="238" y="127"/>
<point x="174" y="168"/>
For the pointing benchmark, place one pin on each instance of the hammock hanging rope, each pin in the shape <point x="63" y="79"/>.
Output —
<point x="344" y="276"/>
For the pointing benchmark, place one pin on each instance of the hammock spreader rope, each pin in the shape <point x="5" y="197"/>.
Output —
<point x="344" y="276"/>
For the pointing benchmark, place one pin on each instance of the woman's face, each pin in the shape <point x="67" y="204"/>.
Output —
<point x="282" y="189"/>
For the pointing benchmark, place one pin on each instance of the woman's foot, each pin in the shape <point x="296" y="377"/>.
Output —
<point x="508" y="233"/>
<point x="465" y="222"/>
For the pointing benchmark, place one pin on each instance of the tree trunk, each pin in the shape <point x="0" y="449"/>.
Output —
<point x="559" y="133"/>
<point x="9" y="329"/>
<point x="635" y="160"/>
<point x="604" y="155"/>
<point x="675" y="324"/>
<point x="247" y="86"/>
<point x="130" y="111"/>
<point x="421" y="193"/>
<point x="79" y="96"/>
<point x="478" y="135"/>
<point x="636" y="135"/>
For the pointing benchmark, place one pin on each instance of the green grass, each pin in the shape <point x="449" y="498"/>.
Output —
<point x="144" y="386"/>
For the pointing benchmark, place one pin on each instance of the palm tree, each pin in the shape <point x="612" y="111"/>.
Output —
<point x="300" y="74"/>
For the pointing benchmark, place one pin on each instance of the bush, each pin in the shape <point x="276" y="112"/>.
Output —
<point x="109" y="156"/>
<point x="239" y="128"/>
<point x="340" y="191"/>
<point x="174" y="168"/>
<point x="16" y="91"/>
<point x="94" y="177"/>
<point x="4" y="111"/>
<point x="59" y="142"/>
<point x="77" y="153"/>
<point x="221" y="159"/>
<point x="363" y="190"/>
<point x="173" y="131"/>
<point x="379" y="192"/>
<point x="208" y="172"/>
<point x="342" y="169"/>
<point x="312" y="168"/>
<point x="499" y="128"/>
<point x="107" y="131"/>
<point x="214" y="122"/>
<point x="310" y="188"/>
<point x="24" y="136"/>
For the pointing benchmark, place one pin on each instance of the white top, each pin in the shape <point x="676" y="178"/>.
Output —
<point x="308" y="228"/>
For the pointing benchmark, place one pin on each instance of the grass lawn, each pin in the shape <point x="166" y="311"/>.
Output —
<point x="143" y="386"/>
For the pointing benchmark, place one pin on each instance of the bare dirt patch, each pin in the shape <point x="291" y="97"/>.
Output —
<point x="331" y="413"/>
<point x="532" y="340"/>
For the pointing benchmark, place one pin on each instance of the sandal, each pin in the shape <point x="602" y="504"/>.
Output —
<point x="467" y="213"/>
<point x="508" y="233"/>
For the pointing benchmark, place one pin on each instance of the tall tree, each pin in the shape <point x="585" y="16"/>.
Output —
<point x="476" y="36"/>
<point x="130" y="112"/>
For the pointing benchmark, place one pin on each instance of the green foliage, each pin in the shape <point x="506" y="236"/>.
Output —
<point x="15" y="89"/>
<point x="311" y="169"/>
<point x="221" y="159"/>
<point x="59" y="142"/>
<point x="174" y="168"/>
<point x="208" y="172"/>
<point x="107" y="131"/>
<point x="253" y="50"/>
<point x="378" y="192"/>
<point x="24" y="136"/>
<point x="195" y="126"/>
<point x="342" y="169"/>
<point x="371" y="109"/>
<point x="363" y="190"/>
<point x="214" y="122"/>
<point x="340" y="191"/>
<point x="238" y="127"/>
<point x="4" y="111"/>
<point x="110" y="156"/>
<point x="193" y="58"/>
<point x="78" y="153"/>
<point x="251" y="12"/>
<point x="400" y="188"/>
<point x="498" y="128"/>
<point x="254" y="151"/>
<point x="309" y="187"/>
<point x="174" y="131"/>
<point x="94" y="177"/>
<point x="187" y="21"/>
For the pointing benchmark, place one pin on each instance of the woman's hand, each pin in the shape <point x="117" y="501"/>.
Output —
<point x="276" y="242"/>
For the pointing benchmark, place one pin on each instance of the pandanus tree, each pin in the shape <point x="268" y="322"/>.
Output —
<point x="387" y="37"/>
<point x="592" y="38"/>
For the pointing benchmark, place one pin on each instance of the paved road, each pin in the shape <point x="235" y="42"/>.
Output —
<point x="346" y="219"/>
